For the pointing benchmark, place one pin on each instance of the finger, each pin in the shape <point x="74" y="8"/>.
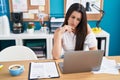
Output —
<point x="68" y="28"/>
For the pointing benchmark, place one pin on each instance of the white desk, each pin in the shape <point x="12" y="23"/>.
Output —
<point x="105" y="38"/>
<point x="49" y="39"/>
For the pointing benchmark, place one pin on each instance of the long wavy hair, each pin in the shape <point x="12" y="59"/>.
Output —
<point x="81" y="29"/>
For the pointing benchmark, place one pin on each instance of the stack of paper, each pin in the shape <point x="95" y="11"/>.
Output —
<point x="107" y="66"/>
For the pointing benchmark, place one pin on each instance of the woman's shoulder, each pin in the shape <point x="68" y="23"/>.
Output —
<point x="90" y="36"/>
<point x="89" y="30"/>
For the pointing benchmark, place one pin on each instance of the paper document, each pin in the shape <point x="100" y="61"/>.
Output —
<point x="43" y="70"/>
<point x="107" y="66"/>
<point x="19" y="5"/>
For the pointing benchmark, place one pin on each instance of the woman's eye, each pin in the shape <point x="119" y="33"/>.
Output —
<point x="78" y="19"/>
<point x="73" y="17"/>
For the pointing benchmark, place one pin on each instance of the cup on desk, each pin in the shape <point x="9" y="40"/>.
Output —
<point x="16" y="69"/>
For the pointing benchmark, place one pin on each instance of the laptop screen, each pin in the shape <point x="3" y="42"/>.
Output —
<point x="82" y="61"/>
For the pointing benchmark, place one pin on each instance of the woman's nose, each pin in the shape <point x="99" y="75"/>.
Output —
<point x="74" y="21"/>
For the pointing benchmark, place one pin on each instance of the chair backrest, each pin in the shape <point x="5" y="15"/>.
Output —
<point x="15" y="53"/>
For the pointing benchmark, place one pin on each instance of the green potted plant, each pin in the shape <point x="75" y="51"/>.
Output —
<point x="30" y="27"/>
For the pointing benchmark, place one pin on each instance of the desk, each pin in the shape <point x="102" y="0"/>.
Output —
<point x="4" y="74"/>
<point x="49" y="40"/>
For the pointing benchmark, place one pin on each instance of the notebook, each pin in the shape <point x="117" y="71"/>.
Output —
<point x="81" y="61"/>
<point x="38" y="70"/>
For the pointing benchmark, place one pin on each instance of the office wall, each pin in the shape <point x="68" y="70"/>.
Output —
<point x="110" y="22"/>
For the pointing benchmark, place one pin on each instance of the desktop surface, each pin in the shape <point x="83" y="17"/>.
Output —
<point x="4" y="74"/>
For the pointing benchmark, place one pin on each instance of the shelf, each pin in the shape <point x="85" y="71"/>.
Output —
<point x="55" y="23"/>
<point x="37" y="45"/>
<point x="48" y="41"/>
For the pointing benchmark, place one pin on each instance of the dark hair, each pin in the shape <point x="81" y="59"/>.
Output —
<point x="81" y="29"/>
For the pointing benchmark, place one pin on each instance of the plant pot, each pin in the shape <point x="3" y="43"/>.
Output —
<point x="30" y="30"/>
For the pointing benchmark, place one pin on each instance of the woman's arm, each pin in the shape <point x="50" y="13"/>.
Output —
<point x="57" y="46"/>
<point x="93" y="48"/>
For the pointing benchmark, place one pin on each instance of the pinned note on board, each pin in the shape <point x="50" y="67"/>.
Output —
<point x="28" y="16"/>
<point x="41" y="8"/>
<point x="19" y="5"/>
<point x="37" y="2"/>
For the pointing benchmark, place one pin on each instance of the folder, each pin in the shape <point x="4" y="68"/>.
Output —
<point x="43" y="70"/>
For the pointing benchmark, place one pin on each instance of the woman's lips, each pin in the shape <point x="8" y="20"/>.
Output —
<point x="73" y="26"/>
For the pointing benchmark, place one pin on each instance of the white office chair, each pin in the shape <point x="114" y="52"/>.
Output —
<point x="15" y="53"/>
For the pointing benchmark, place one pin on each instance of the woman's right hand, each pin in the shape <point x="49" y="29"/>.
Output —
<point x="65" y="28"/>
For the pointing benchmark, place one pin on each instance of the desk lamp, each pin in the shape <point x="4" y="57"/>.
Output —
<point x="98" y="28"/>
<point x="88" y="6"/>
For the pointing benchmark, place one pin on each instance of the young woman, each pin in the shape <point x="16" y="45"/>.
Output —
<point x="75" y="33"/>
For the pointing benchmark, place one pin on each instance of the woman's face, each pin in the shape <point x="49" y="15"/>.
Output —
<point x="74" y="19"/>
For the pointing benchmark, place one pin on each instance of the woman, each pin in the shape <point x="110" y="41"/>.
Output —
<point x="74" y="34"/>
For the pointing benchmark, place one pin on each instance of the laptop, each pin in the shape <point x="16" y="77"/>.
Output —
<point x="81" y="61"/>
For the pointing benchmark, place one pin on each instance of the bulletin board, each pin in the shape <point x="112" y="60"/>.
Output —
<point x="96" y="15"/>
<point x="32" y="9"/>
